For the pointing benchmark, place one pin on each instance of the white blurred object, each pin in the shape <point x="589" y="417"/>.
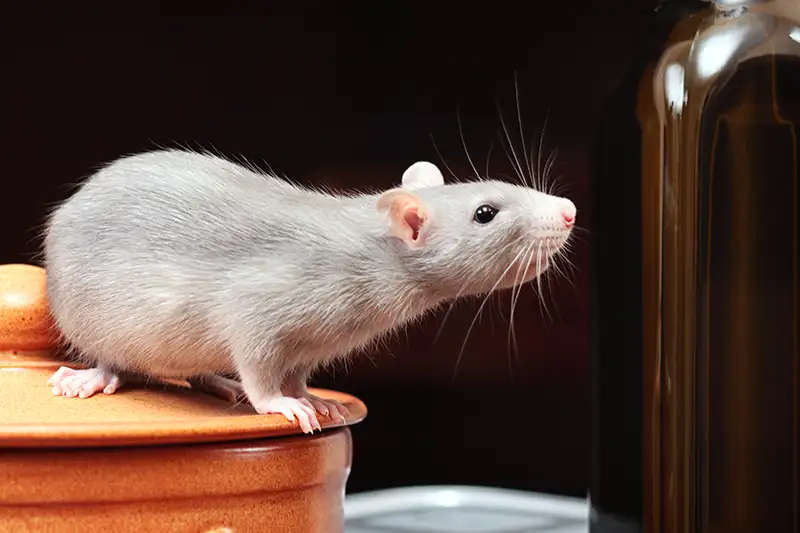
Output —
<point x="463" y="509"/>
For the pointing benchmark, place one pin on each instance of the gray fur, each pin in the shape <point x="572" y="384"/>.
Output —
<point x="179" y="264"/>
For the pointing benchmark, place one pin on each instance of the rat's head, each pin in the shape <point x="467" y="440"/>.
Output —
<point x="475" y="237"/>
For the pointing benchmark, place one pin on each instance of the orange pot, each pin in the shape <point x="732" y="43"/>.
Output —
<point x="160" y="457"/>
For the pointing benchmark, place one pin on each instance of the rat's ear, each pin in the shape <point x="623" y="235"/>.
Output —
<point x="406" y="215"/>
<point x="422" y="174"/>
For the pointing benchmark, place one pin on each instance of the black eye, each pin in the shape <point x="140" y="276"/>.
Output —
<point x="485" y="214"/>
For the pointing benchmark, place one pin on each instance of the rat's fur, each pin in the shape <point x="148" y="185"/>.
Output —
<point x="178" y="264"/>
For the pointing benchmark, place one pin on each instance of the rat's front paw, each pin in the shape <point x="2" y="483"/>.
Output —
<point x="300" y="409"/>
<point x="336" y="410"/>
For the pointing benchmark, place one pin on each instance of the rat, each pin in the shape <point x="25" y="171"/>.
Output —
<point x="186" y="265"/>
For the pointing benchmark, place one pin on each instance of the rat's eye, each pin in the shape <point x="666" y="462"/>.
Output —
<point x="485" y="214"/>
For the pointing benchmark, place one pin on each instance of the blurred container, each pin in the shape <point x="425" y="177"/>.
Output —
<point x="695" y="297"/>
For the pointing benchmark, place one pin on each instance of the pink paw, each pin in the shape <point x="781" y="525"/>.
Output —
<point x="83" y="383"/>
<point x="292" y="408"/>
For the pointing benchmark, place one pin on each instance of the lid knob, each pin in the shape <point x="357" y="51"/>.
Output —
<point x="25" y="321"/>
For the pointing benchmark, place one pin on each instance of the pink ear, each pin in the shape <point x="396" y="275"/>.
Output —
<point x="406" y="214"/>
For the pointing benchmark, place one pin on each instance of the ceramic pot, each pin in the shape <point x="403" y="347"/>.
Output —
<point x="157" y="457"/>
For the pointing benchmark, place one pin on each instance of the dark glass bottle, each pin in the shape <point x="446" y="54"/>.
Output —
<point x="695" y="265"/>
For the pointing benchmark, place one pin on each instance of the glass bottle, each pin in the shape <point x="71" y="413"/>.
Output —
<point x="695" y="260"/>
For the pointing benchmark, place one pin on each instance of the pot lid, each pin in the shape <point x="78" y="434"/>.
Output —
<point x="161" y="412"/>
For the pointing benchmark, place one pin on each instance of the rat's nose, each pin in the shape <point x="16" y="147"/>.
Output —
<point x="568" y="213"/>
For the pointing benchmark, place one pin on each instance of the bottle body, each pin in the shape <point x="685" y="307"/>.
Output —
<point x="624" y="157"/>
<point x="715" y="302"/>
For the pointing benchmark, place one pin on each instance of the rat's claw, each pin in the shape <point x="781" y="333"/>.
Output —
<point x="336" y="410"/>
<point x="292" y="408"/>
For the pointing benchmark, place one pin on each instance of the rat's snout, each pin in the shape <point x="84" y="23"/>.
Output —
<point x="568" y="212"/>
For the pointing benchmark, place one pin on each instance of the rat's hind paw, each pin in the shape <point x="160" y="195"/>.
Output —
<point x="292" y="408"/>
<point x="83" y="383"/>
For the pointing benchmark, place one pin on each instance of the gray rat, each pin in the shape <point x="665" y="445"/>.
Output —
<point x="180" y="264"/>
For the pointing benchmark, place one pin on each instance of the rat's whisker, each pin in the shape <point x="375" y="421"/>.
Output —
<point x="557" y="271"/>
<point x="519" y="120"/>
<point x="564" y="253"/>
<point x="489" y="157"/>
<point x="515" y="291"/>
<point x="453" y="303"/>
<point x="570" y="277"/>
<point x="515" y="297"/>
<point x="501" y="308"/>
<point x="555" y="264"/>
<point x="549" y="165"/>
<point x="539" y="171"/>
<point x="436" y="148"/>
<point x="569" y="249"/>
<point x="551" y="161"/>
<point x="512" y="336"/>
<point x="511" y="332"/>
<point x="567" y="268"/>
<point x="539" y="262"/>
<point x="512" y="158"/>
<point x="464" y="144"/>
<point x="519" y="176"/>
<point x="559" y="187"/>
<point x="468" y="281"/>
<point x="480" y="309"/>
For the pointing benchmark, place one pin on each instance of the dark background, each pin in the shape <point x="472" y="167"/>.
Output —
<point x="351" y="98"/>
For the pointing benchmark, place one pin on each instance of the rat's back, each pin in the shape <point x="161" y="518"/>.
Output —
<point x="167" y="201"/>
<point x="136" y="257"/>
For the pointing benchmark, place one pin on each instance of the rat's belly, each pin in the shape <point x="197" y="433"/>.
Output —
<point x="170" y="358"/>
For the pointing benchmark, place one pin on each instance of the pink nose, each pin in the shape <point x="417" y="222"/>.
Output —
<point x="569" y="218"/>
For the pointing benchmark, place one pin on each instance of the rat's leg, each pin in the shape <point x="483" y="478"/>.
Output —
<point x="228" y="389"/>
<point x="295" y="385"/>
<point x="261" y="381"/>
<point x="84" y="383"/>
